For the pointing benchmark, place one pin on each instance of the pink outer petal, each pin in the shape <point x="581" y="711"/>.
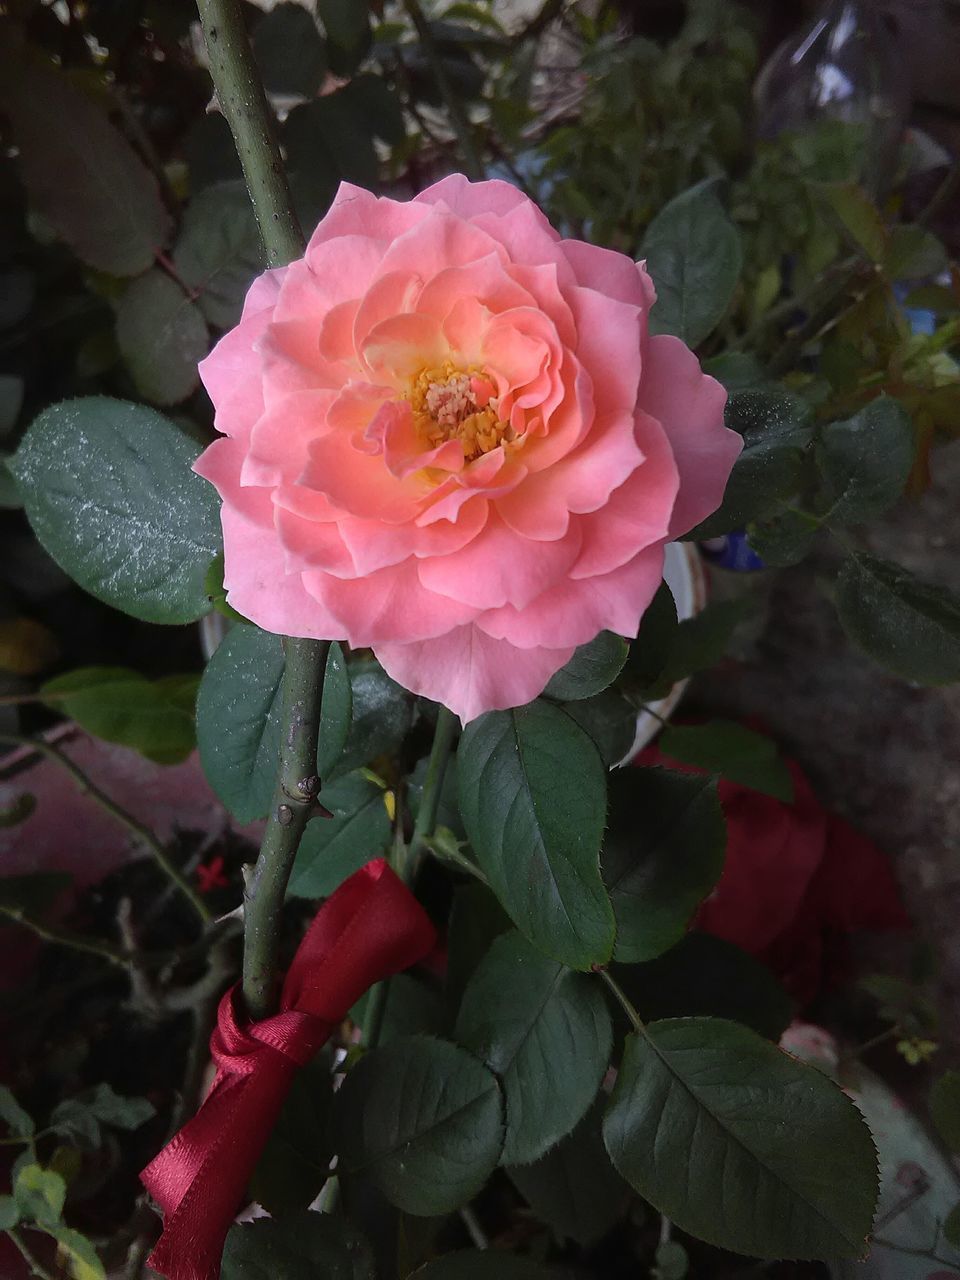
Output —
<point x="491" y="475"/>
<point x="312" y="544"/>
<point x="609" y="335"/>
<point x="439" y="241"/>
<point x="389" y="605"/>
<point x="259" y="587"/>
<point x="335" y="272"/>
<point x="264" y="292"/>
<point x="634" y="516"/>
<point x="574" y="612"/>
<point x="610" y="273"/>
<point x="221" y="463"/>
<point x="232" y="373"/>
<point x="471" y="673"/>
<point x="501" y="567"/>
<point x="289" y="352"/>
<point x="280" y="441"/>
<point x="583" y="480"/>
<point x="541" y="281"/>
<point x="393" y="294"/>
<point x="374" y="545"/>
<point x="356" y="211"/>
<point x="690" y="406"/>
<point x="467" y="198"/>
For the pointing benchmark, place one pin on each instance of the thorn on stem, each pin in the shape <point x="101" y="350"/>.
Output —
<point x="284" y="815"/>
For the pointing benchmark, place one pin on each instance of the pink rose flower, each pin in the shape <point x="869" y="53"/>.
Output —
<point x="449" y="437"/>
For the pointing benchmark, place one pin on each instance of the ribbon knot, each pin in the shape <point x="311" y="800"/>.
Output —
<point x="370" y="928"/>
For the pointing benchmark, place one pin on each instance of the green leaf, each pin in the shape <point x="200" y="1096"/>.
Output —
<point x="653" y="648"/>
<point x="333" y="848"/>
<point x="866" y="461"/>
<point x="728" y="748"/>
<point x="703" y="976"/>
<point x="109" y="492"/>
<point x="328" y="137"/>
<point x="700" y="642"/>
<point x="533" y="800"/>
<point x="120" y="705"/>
<point x="13" y="1115"/>
<point x="951" y="1227"/>
<point x="906" y="625"/>
<point x="39" y="1193"/>
<point x="298" y="1246"/>
<point x="295" y="1163"/>
<point x="289" y="51"/>
<point x="381" y="718"/>
<point x="162" y="336"/>
<point x="81" y="1257"/>
<point x="914" y="253"/>
<point x="945" y="1108"/>
<point x="82" y="175"/>
<point x="545" y="1033"/>
<point x="662" y="855"/>
<point x="592" y="668"/>
<point x="784" y="539"/>
<point x="347" y="25"/>
<point x="609" y="721"/>
<point x="82" y="1116"/>
<point x="859" y="216"/>
<point x="776" y="433"/>
<point x="218" y="252"/>
<point x="413" y="1007"/>
<point x="741" y="1145"/>
<point x="9" y="1213"/>
<point x="574" y="1188"/>
<point x="424" y="1119"/>
<point x="694" y="256"/>
<point x="238" y="718"/>
<point x="476" y="918"/>
<point x="737" y="370"/>
<point x="487" y="1264"/>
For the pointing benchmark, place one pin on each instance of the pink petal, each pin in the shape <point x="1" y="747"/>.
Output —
<point x="356" y="211"/>
<point x="280" y="441"/>
<point x="608" y="345"/>
<point x="373" y="545"/>
<point x="259" y="587"/>
<point x="610" y="273"/>
<point x="471" y="673"/>
<point x="486" y="281"/>
<point x="399" y="348"/>
<point x="690" y="406"/>
<point x="232" y="374"/>
<point x="439" y="241"/>
<point x="575" y="612"/>
<point x="221" y="463"/>
<point x="501" y="567"/>
<point x="388" y="605"/>
<point x="393" y="294"/>
<point x="467" y="198"/>
<point x="361" y="484"/>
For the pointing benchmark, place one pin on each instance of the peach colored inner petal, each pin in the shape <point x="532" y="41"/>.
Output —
<point x="397" y="349"/>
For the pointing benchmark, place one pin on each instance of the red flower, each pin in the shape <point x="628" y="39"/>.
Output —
<point x="210" y="875"/>
<point x="797" y="880"/>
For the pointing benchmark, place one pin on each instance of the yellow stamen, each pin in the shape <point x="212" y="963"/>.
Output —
<point x="455" y="404"/>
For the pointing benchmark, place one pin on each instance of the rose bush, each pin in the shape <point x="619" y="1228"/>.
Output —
<point x="450" y="437"/>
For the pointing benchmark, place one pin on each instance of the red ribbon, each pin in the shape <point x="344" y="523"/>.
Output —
<point x="370" y="928"/>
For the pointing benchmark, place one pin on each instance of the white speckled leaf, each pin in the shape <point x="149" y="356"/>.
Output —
<point x="108" y="489"/>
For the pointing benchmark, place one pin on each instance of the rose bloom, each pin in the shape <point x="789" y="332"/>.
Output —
<point x="449" y="437"/>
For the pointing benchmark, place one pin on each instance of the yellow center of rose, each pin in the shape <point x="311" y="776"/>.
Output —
<point x="454" y="404"/>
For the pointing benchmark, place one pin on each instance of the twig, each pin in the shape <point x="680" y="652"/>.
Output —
<point x="35" y="1266"/>
<point x="474" y="1229"/>
<point x="472" y="163"/>
<point x="74" y="941"/>
<point x="142" y="833"/>
<point x="407" y="860"/>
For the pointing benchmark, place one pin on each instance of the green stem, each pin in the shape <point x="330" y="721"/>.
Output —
<point x="142" y="833"/>
<point x="294" y="799"/>
<point x="408" y="860"/>
<point x="472" y="164"/>
<point x="623" y="1000"/>
<point x="244" y="105"/>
